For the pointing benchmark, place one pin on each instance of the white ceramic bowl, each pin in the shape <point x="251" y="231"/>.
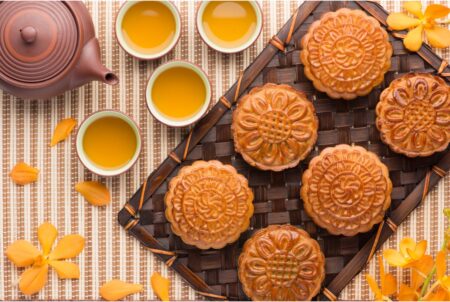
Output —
<point x="82" y="154"/>
<point x="177" y="122"/>
<point x="207" y="40"/>
<point x="145" y="56"/>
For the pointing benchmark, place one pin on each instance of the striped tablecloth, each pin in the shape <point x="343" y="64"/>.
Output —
<point x="26" y="128"/>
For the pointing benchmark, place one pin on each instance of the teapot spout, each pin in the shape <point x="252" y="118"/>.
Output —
<point x="106" y="76"/>
<point x="90" y="67"/>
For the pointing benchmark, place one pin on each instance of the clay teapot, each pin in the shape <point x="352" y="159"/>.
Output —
<point x="48" y="47"/>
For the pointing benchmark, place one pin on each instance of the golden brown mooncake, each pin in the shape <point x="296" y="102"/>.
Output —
<point x="281" y="263"/>
<point x="346" y="53"/>
<point x="274" y="127"/>
<point x="208" y="204"/>
<point x="346" y="190"/>
<point x="413" y="115"/>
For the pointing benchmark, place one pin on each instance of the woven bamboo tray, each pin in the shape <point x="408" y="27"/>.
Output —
<point x="213" y="273"/>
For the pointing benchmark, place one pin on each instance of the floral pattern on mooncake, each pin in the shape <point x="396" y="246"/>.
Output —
<point x="346" y="190"/>
<point x="346" y="53"/>
<point x="413" y="115"/>
<point x="274" y="127"/>
<point x="281" y="263"/>
<point x="209" y="204"/>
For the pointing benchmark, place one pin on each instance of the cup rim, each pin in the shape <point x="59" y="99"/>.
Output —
<point x="260" y="24"/>
<point x="134" y="53"/>
<point x="159" y="116"/>
<point x="87" y="163"/>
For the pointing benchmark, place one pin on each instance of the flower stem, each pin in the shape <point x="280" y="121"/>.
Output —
<point x="427" y="281"/>
<point x="433" y="287"/>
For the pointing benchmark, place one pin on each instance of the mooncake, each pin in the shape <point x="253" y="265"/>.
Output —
<point x="413" y="115"/>
<point x="208" y="204"/>
<point x="274" y="127"/>
<point x="281" y="263"/>
<point x="346" y="190"/>
<point x="346" y="53"/>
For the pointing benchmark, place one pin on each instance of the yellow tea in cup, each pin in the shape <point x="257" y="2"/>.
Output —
<point x="178" y="93"/>
<point x="109" y="142"/>
<point x="229" y="24"/>
<point x="148" y="29"/>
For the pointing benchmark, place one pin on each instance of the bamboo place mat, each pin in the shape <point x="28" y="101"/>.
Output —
<point x="26" y="127"/>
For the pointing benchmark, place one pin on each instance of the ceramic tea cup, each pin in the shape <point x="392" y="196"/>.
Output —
<point x="108" y="142"/>
<point x="228" y="10"/>
<point x="178" y="93"/>
<point x="136" y="24"/>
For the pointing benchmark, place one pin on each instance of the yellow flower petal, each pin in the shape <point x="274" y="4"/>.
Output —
<point x="374" y="287"/>
<point x="33" y="279"/>
<point x="407" y="244"/>
<point x="414" y="7"/>
<point x="388" y="282"/>
<point x="68" y="247"/>
<point x="438" y="37"/>
<point x="160" y="286"/>
<point x="445" y="282"/>
<point x="413" y="40"/>
<point x="116" y="290"/>
<point x="420" y="250"/>
<point x="47" y="234"/>
<point x="439" y="295"/>
<point x="420" y="269"/>
<point x="96" y="193"/>
<point x="62" y="130"/>
<point x="394" y="258"/>
<point x="389" y="285"/>
<point x="436" y="11"/>
<point x="380" y="264"/>
<point x="65" y="270"/>
<point x="417" y="252"/>
<point x="22" y="253"/>
<point x="400" y="21"/>
<point x="441" y="264"/>
<point x="406" y="293"/>
<point x="23" y="174"/>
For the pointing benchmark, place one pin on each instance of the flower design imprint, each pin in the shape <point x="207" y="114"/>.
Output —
<point x="281" y="262"/>
<point x="209" y="204"/>
<point x="274" y="127"/>
<point x="346" y="190"/>
<point x="413" y="115"/>
<point x="346" y="53"/>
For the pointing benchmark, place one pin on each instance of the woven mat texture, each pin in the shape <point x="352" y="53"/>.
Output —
<point x="26" y="128"/>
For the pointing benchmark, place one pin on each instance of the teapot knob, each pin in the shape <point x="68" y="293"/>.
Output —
<point x="28" y="34"/>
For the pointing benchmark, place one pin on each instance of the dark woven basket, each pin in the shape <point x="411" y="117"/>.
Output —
<point x="213" y="273"/>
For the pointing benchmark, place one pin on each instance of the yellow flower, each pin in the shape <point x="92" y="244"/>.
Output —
<point x="388" y="284"/>
<point x="425" y="22"/>
<point x="440" y="290"/>
<point x="22" y="253"/>
<point x="420" y="271"/>
<point x="441" y="267"/>
<point x="407" y="293"/>
<point x="410" y="253"/>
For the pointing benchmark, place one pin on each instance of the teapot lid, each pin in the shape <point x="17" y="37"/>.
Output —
<point x="38" y="39"/>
